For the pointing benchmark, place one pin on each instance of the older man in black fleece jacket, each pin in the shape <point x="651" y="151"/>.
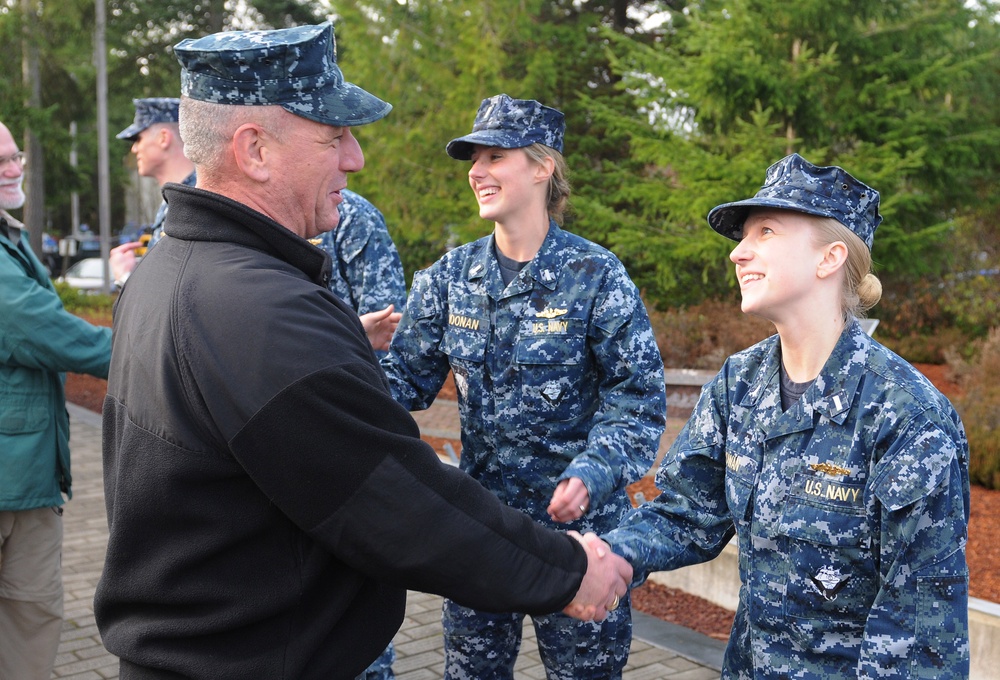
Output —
<point x="266" y="511"/>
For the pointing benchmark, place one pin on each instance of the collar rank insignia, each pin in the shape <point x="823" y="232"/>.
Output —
<point x="548" y="276"/>
<point x="830" y="469"/>
<point x="550" y="313"/>
<point x="476" y="268"/>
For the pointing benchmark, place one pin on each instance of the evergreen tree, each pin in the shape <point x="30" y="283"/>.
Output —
<point x="889" y="89"/>
<point x="435" y="61"/>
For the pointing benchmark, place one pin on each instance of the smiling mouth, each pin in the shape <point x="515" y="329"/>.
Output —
<point x="492" y="191"/>
<point x="747" y="278"/>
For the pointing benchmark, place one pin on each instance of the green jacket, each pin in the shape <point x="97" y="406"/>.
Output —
<point x="38" y="341"/>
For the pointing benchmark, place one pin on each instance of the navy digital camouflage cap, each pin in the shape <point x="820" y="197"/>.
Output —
<point x="148" y="112"/>
<point x="793" y="183"/>
<point x="511" y="124"/>
<point x="295" y="68"/>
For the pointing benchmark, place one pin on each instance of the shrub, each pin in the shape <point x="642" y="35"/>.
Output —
<point x="973" y="299"/>
<point x="979" y="406"/>
<point x="923" y="321"/>
<point x="925" y="348"/>
<point x="704" y="335"/>
<point x="84" y="304"/>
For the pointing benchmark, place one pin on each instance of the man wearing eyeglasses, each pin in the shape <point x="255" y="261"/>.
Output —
<point x="39" y="341"/>
<point x="11" y="193"/>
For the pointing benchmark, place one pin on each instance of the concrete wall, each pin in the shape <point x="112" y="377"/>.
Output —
<point x="984" y="635"/>
<point x="718" y="582"/>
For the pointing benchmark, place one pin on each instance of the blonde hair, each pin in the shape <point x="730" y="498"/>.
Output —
<point x="862" y="290"/>
<point x="559" y="187"/>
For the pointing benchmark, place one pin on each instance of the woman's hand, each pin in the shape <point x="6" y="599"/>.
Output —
<point x="570" y="501"/>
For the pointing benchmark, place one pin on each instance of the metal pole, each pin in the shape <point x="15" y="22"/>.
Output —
<point x="103" y="165"/>
<point x="74" y="197"/>
<point x="34" y="172"/>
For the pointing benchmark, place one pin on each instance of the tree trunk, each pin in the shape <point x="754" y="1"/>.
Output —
<point x="34" y="170"/>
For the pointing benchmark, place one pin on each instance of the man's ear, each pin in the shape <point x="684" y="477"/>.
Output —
<point x="169" y="135"/>
<point x="834" y="258"/>
<point x="250" y="152"/>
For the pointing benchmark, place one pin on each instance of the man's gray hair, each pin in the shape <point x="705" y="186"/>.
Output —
<point x="207" y="128"/>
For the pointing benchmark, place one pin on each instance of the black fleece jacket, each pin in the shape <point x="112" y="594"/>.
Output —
<point x="268" y="502"/>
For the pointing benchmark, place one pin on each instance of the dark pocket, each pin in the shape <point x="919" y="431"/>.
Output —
<point x="831" y="573"/>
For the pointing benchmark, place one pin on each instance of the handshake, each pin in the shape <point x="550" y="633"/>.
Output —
<point x="605" y="583"/>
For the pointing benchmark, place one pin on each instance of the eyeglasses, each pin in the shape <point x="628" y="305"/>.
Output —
<point x="15" y="158"/>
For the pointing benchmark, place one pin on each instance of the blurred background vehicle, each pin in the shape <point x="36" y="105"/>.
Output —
<point x="87" y="275"/>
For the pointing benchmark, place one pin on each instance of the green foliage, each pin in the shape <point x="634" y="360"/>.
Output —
<point x="979" y="406"/>
<point x="435" y="61"/>
<point x="892" y="90"/>
<point x="82" y="303"/>
<point x="664" y="123"/>
<point x="139" y="35"/>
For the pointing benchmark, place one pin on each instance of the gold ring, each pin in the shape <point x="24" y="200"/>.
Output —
<point x="614" y="605"/>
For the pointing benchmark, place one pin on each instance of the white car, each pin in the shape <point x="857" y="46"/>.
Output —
<point x="87" y="275"/>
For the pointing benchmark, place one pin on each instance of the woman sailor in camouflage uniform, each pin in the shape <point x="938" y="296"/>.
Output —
<point x="560" y="383"/>
<point x="841" y="470"/>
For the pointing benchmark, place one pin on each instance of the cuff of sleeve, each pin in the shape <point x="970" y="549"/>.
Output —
<point x="120" y="281"/>
<point x="594" y="477"/>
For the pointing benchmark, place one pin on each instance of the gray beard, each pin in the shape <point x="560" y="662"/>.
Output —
<point x="13" y="203"/>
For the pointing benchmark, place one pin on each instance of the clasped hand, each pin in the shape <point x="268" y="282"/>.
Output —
<point x="605" y="583"/>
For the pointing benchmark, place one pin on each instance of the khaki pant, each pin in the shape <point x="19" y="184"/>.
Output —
<point x="31" y="592"/>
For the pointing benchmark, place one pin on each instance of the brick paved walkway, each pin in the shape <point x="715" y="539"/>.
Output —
<point x="659" y="649"/>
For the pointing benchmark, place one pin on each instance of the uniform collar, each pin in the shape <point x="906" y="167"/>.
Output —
<point x="831" y="394"/>
<point x="837" y="384"/>
<point x="544" y="267"/>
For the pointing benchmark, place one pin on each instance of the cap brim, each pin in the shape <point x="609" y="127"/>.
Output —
<point x="728" y="218"/>
<point x="131" y="132"/>
<point x="345" y="106"/>
<point x="461" y="148"/>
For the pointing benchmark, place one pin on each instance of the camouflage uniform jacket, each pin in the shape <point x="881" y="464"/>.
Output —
<point x="558" y="375"/>
<point x="851" y="510"/>
<point x="367" y="271"/>
<point x="161" y="213"/>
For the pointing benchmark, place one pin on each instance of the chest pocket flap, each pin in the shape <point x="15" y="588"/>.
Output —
<point x="552" y="341"/>
<point x="467" y="329"/>
<point x="825" y="512"/>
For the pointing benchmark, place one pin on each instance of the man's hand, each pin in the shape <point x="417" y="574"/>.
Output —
<point x="122" y="260"/>
<point x="570" y="501"/>
<point x="605" y="583"/>
<point x="379" y="326"/>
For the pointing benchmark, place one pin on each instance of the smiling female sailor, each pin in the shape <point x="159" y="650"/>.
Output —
<point x="841" y="470"/>
<point x="560" y="383"/>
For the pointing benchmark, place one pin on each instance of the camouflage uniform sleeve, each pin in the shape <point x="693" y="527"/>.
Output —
<point x="630" y="418"/>
<point x="414" y="365"/>
<point x="373" y="268"/>
<point x="918" y="623"/>
<point x="689" y="522"/>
